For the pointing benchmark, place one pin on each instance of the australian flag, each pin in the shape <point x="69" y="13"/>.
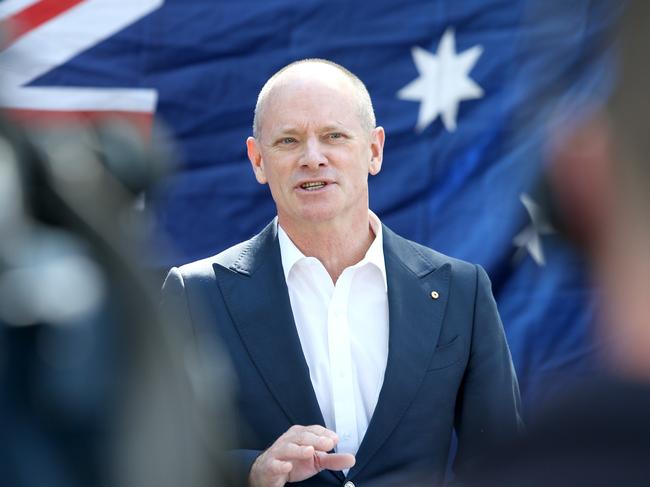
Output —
<point x="465" y="90"/>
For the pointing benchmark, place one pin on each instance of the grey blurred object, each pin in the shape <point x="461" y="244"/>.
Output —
<point x="96" y="386"/>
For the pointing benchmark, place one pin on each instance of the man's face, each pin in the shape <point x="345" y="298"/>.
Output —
<point x="314" y="152"/>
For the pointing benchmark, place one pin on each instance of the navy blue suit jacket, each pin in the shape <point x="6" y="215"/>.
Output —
<point x="448" y="366"/>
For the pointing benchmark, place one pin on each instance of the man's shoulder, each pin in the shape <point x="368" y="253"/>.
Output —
<point x="204" y="266"/>
<point x="237" y="258"/>
<point x="421" y="258"/>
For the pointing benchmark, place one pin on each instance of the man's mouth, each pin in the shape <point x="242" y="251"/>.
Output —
<point x="313" y="185"/>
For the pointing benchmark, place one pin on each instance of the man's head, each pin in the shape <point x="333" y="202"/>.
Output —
<point x="315" y="143"/>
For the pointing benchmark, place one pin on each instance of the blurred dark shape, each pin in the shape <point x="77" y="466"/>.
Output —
<point x="598" y="189"/>
<point x="96" y="387"/>
<point x="597" y="436"/>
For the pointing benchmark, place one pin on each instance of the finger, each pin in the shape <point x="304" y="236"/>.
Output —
<point x="316" y="429"/>
<point x="308" y="438"/>
<point x="322" y="431"/>
<point x="334" y="461"/>
<point x="292" y="451"/>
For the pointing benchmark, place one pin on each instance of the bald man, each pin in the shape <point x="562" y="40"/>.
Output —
<point x="357" y="352"/>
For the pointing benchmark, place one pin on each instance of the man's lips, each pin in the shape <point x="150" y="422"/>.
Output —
<point x="314" y="184"/>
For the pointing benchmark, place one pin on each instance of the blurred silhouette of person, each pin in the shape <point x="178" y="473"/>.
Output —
<point x="599" y="180"/>
<point x="96" y="387"/>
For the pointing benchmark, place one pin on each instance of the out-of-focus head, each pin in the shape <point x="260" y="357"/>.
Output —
<point x="601" y="179"/>
<point x="629" y="111"/>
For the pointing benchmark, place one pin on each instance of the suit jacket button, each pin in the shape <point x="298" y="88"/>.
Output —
<point x="348" y="484"/>
<point x="434" y="295"/>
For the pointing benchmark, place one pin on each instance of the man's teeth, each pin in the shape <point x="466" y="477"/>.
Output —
<point x="312" y="186"/>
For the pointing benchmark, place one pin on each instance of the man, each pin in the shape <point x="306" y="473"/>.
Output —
<point x="357" y="351"/>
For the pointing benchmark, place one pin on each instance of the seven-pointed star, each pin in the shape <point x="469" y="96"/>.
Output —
<point x="443" y="82"/>
<point x="530" y="237"/>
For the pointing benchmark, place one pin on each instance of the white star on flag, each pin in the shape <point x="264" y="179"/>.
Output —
<point x="530" y="237"/>
<point x="443" y="82"/>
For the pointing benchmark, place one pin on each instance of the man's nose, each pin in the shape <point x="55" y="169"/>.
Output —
<point x="313" y="155"/>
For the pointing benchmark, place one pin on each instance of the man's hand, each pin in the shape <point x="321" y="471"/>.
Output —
<point x="298" y="454"/>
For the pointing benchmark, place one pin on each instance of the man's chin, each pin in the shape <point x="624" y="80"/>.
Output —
<point x="309" y="217"/>
<point x="320" y="216"/>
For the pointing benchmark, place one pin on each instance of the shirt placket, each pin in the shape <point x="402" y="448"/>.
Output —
<point x="340" y="356"/>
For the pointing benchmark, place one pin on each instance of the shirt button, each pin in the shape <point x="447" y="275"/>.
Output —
<point x="348" y="484"/>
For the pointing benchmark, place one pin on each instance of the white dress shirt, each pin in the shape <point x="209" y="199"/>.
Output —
<point x="343" y="331"/>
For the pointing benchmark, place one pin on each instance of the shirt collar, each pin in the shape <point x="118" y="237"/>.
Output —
<point x="288" y="251"/>
<point x="375" y="255"/>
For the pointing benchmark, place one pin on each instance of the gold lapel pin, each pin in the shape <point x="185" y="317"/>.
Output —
<point x="434" y="295"/>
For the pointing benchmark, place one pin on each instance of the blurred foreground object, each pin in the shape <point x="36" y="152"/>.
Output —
<point x="599" y="434"/>
<point x="97" y="389"/>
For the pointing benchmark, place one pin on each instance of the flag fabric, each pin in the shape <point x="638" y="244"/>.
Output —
<point x="464" y="90"/>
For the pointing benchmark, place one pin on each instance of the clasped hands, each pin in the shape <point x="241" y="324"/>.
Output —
<point x="300" y="453"/>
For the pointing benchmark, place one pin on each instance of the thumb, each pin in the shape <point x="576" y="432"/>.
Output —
<point x="334" y="461"/>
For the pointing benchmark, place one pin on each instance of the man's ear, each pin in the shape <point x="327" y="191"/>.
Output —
<point x="377" y="138"/>
<point x="255" y="156"/>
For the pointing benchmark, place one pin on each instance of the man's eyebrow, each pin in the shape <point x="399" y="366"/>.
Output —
<point x="288" y="130"/>
<point x="293" y="130"/>
<point x="336" y="126"/>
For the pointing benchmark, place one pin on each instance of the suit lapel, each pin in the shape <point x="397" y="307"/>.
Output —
<point x="414" y="325"/>
<point x="256" y="295"/>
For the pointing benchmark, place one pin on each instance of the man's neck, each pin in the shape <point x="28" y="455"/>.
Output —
<point x="335" y="244"/>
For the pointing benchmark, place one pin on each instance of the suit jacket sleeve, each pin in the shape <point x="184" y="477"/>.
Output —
<point x="488" y="405"/>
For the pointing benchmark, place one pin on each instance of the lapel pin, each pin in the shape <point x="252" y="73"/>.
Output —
<point x="434" y="295"/>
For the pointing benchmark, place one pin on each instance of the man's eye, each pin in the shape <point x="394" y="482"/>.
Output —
<point x="287" y="140"/>
<point x="336" y="135"/>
